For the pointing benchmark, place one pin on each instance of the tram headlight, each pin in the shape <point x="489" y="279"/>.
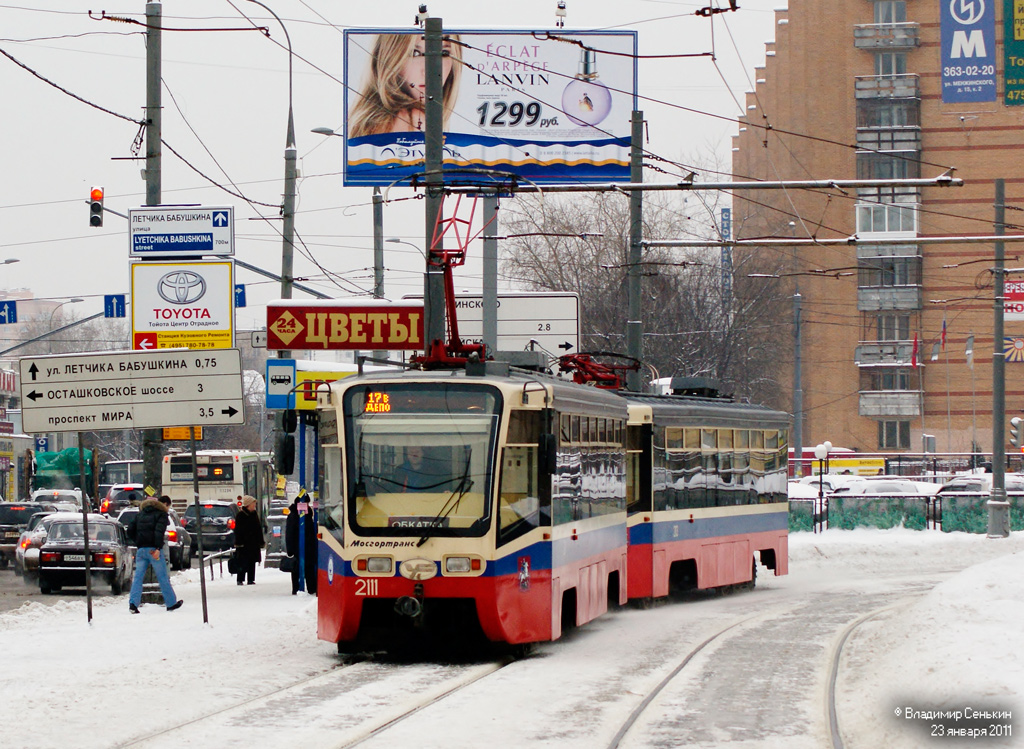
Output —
<point x="462" y="565"/>
<point x="379" y="564"/>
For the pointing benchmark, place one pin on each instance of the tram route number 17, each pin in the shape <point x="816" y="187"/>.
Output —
<point x="367" y="586"/>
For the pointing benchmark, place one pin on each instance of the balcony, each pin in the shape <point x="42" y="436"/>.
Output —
<point x="890" y="404"/>
<point x="886" y="36"/>
<point x="886" y="86"/>
<point x="885" y="353"/>
<point x="875" y="298"/>
<point x="890" y="219"/>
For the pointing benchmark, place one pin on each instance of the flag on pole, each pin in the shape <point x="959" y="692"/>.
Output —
<point x="970" y="351"/>
<point x="935" y="351"/>
<point x="943" y="331"/>
<point x="913" y="353"/>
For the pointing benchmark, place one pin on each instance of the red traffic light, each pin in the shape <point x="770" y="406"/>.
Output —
<point x="96" y="206"/>
<point x="96" y="193"/>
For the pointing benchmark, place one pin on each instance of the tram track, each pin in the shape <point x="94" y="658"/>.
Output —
<point x="308" y="699"/>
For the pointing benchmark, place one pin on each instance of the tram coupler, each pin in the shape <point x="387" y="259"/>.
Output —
<point x="412" y="606"/>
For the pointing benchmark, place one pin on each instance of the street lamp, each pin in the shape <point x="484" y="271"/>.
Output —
<point x="73" y="300"/>
<point x="396" y="240"/>
<point x="821" y="453"/>
<point x="290" y="173"/>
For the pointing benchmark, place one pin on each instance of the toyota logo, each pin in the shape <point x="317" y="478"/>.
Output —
<point x="181" y="287"/>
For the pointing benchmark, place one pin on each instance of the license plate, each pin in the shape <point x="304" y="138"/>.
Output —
<point x="11" y="534"/>
<point x="74" y="557"/>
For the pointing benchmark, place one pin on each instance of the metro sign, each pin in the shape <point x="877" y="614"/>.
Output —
<point x="341" y="325"/>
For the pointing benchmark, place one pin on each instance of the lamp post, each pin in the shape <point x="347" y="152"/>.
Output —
<point x="290" y="173"/>
<point x="821" y="453"/>
<point x="9" y="261"/>
<point x="53" y="312"/>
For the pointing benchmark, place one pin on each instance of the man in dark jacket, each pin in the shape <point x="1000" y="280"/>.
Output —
<point x="147" y="529"/>
<point x="248" y="540"/>
<point x="301" y="519"/>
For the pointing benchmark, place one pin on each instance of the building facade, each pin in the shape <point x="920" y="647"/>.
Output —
<point x="896" y="339"/>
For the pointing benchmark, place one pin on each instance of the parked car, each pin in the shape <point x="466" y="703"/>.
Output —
<point x="830" y="482"/>
<point x="878" y="487"/>
<point x="981" y="483"/>
<point x="218" y="524"/>
<point x="62" y="556"/>
<point x="177" y="541"/>
<point x="14" y="518"/>
<point x="120" y="496"/>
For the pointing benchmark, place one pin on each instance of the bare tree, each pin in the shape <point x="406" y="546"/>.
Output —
<point x="691" y="326"/>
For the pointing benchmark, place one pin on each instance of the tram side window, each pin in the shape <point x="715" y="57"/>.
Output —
<point x="659" y="470"/>
<point x="638" y="490"/>
<point x="333" y="514"/>
<point x="519" y="496"/>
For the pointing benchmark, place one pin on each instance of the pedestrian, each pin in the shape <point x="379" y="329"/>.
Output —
<point x="147" y="530"/>
<point x="248" y="541"/>
<point x="299" y="514"/>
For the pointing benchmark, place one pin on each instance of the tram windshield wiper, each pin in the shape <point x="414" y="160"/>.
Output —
<point x="461" y="489"/>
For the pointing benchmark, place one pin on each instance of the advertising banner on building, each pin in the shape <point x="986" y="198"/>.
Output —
<point x="1013" y="300"/>
<point x="1013" y="51"/>
<point x="968" y="50"/>
<point x="546" y="107"/>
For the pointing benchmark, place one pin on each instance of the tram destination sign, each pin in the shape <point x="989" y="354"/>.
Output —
<point x="125" y="390"/>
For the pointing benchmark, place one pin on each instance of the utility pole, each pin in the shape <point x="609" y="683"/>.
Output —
<point x="998" y="507"/>
<point x="433" y="282"/>
<point x="798" y="388"/>
<point x="378" y="254"/>
<point x="152" y="439"/>
<point x="490" y="286"/>
<point x="635" y="323"/>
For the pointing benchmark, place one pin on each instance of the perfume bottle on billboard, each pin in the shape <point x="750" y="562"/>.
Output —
<point x="586" y="100"/>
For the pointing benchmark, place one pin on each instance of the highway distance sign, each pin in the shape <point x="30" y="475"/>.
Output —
<point x="174" y="231"/>
<point x="131" y="390"/>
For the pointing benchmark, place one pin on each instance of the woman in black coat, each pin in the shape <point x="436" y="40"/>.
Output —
<point x="291" y="544"/>
<point x="248" y="541"/>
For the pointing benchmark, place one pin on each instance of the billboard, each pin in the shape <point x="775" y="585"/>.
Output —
<point x="182" y="305"/>
<point x="1013" y="51"/>
<point x="968" y="31"/>
<point x="343" y="325"/>
<point x="549" y="107"/>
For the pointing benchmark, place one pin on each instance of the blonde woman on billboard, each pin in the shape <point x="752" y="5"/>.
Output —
<point x="392" y="97"/>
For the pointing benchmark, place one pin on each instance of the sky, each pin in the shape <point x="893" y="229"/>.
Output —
<point x="225" y="112"/>
<point x="125" y="678"/>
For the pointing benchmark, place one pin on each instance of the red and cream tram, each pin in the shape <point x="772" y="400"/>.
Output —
<point x="510" y="505"/>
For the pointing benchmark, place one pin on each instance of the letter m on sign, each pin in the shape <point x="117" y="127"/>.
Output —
<point x="968" y="45"/>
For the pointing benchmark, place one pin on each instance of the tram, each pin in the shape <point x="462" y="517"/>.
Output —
<point x="512" y="505"/>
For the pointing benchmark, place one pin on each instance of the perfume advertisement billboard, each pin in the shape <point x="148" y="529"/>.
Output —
<point x="547" y="107"/>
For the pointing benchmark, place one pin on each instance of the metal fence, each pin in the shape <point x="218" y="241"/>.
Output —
<point x="966" y="513"/>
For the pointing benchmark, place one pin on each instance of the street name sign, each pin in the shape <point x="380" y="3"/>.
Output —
<point x="174" y="231"/>
<point x="131" y="390"/>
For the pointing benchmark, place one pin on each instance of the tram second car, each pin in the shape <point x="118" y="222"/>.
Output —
<point x="513" y="507"/>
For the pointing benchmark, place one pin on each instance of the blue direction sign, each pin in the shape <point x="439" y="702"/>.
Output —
<point x="239" y="295"/>
<point x="113" y="305"/>
<point x="8" y="312"/>
<point x="175" y="231"/>
<point x="42" y="444"/>
<point x="281" y="383"/>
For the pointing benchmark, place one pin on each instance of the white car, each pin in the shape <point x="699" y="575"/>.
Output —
<point x="62" y="497"/>
<point x="879" y="487"/>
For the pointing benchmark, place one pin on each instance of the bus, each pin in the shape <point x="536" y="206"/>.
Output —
<point x="223" y="474"/>
<point x="120" y="472"/>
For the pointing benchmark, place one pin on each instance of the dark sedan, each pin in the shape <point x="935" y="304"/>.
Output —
<point x="218" y="525"/>
<point x="14" y="517"/>
<point x="62" y="557"/>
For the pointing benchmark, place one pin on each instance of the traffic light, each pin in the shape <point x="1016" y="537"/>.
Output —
<point x="1015" y="430"/>
<point x="96" y="206"/>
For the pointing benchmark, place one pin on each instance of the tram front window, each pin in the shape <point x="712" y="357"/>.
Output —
<point x="419" y="458"/>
